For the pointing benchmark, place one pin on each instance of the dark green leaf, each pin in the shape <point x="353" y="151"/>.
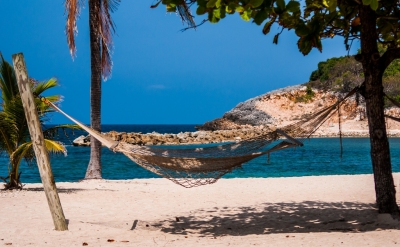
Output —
<point x="201" y="10"/>
<point x="267" y="26"/>
<point x="275" y="41"/>
<point x="366" y="2"/>
<point x="304" y="46"/>
<point x="229" y="10"/>
<point x="293" y="6"/>
<point x="217" y="13"/>
<point x="260" y="17"/>
<point x="374" y="4"/>
<point x="211" y="3"/>
<point x="212" y="18"/>
<point x="256" y="3"/>
<point x="318" y="44"/>
<point x="302" y="30"/>
<point x="331" y="4"/>
<point x="281" y="4"/>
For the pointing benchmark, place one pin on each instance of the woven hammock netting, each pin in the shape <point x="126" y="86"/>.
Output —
<point x="190" y="166"/>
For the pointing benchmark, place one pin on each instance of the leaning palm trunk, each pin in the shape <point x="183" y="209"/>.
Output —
<point x="14" y="177"/>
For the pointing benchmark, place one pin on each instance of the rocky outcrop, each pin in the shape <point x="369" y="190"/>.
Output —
<point x="288" y="105"/>
<point x="198" y="137"/>
<point x="82" y="141"/>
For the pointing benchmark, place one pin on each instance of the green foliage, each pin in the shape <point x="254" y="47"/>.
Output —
<point x="306" y="97"/>
<point x="341" y="74"/>
<point x="14" y="133"/>
<point x="393" y="69"/>
<point x="312" y="20"/>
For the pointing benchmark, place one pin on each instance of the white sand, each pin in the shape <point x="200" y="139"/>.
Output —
<point x="305" y="211"/>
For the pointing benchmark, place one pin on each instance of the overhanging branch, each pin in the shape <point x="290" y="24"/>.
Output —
<point x="388" y="57"/>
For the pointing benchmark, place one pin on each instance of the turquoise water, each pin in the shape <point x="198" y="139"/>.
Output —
<point x="319" y="156"/>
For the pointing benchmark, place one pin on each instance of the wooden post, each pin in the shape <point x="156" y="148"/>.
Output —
<point x="35" y="130"/>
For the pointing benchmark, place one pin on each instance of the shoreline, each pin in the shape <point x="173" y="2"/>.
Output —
<point x="212" y="137"/>
<point x="335" y="210"/>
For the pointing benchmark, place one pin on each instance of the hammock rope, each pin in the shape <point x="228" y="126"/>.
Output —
<point x="192" y="167"/>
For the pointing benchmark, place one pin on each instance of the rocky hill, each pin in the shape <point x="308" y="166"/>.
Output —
<point x="285" y="106"/>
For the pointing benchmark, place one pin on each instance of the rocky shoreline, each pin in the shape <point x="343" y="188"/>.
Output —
<point x="206" y="137"/>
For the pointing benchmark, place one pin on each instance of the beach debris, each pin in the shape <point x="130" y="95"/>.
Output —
<point x="177" y="219"/>
<point x="110" y="240"/>
<point x="85" y="244"/>
<point x="124" y="241"/>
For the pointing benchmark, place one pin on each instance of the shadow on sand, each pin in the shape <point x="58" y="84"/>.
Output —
<point x="304" y="217"/>
<point x="59" y="190"/>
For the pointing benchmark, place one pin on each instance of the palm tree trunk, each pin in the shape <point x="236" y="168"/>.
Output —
<point x="94" y="168"/>
<point x="380" y="153"/>
<point x="14" y="182"/>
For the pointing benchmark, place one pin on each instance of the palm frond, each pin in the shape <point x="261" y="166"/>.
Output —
<point x="183" y="10"/>
<point x="72" y="8"/>
<point x="106" y="28"/>
<point x="6" y="134"/>
<point x="23" y="151"/>
<point x="52" y="132"/>
<point x="40" y="87"/>
<point x="55" y="147"/>
<point x="15" y="115"/>
<point x="8" y="82"/>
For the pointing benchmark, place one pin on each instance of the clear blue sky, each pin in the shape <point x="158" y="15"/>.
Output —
<point x="160" y="75"/>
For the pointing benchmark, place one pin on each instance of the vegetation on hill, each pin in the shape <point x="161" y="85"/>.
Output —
<point x="341" y="74"/>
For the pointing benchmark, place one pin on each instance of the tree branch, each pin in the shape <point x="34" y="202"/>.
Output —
<point x="390" y="55"/>
<point x="195" y="26"/>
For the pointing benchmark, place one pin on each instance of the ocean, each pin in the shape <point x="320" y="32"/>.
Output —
<point x="318" y="156"/>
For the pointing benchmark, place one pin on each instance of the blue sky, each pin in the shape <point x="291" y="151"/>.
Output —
<point x="160" y="74"/>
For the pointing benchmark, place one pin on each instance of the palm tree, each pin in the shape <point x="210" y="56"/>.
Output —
<point x="101" y="27"/>
<point x="14" y="133"/>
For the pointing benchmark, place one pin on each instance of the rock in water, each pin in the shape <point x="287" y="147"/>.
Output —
<point x="82" y="141"/>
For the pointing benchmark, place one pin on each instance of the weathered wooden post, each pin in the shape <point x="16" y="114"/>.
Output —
<point x="35" y="130"/>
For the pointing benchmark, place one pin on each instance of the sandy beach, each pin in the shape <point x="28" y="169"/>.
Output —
<point x="298" y="211"/>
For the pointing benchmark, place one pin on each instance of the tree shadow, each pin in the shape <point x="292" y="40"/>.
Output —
<point x="59" y="190"/>
<point x="303" y="217"/>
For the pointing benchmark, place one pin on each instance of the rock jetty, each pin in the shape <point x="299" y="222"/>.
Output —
<point x="198" y="137"/>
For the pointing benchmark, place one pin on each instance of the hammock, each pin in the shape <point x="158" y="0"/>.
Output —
<point x="191" y="167"/>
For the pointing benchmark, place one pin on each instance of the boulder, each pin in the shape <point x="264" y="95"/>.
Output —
<point x="82" y="141"/>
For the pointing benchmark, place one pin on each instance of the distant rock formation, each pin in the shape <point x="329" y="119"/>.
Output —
<point x="82" y="141"/>
<point x="288" y="105"/>
<point x="198" y="137"/>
